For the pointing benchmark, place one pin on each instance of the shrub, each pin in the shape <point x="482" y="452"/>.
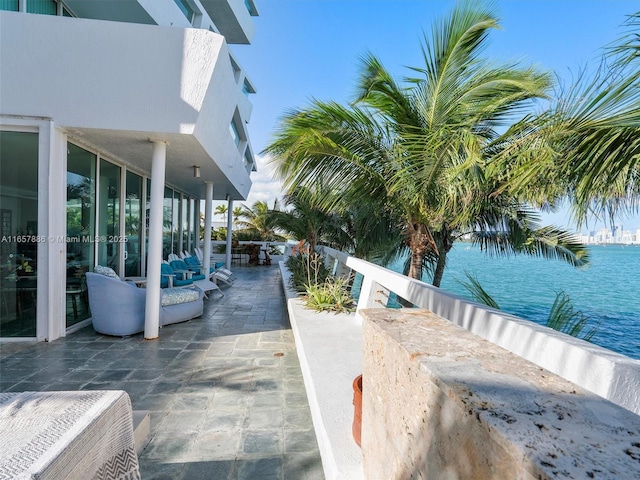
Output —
<point x="333" y="295"/>
<point x="306" y="270"/>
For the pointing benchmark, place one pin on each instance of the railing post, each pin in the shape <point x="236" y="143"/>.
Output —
<point x="342" y="270"/>
<point x="372" y="295"/>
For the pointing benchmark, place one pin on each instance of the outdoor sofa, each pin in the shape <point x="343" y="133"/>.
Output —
<point x="118" y="307"/>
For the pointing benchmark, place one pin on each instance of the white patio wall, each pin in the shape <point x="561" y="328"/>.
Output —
<point x="599" y="370"/>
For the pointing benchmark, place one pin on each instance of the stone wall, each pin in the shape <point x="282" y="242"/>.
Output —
<point x="440" y="402"/>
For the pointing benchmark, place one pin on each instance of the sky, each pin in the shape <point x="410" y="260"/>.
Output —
<point x="311" y="49"/>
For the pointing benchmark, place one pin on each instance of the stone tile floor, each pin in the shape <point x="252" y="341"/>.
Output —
<point x="225" y="391"/>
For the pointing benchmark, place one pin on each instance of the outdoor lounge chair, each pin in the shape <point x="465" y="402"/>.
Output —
<point x="171" y="278"/>
<point x="195" y="265"/>
<point x="198" y="279"/>
<point x="218" y="266"/>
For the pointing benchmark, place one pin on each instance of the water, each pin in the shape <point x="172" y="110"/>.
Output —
<point x="607" y="290"/>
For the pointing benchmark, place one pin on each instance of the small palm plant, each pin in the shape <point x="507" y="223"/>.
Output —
<point x="322" y="292"/>
<point x="563" y="317"/>
<point x="333" y="295"/>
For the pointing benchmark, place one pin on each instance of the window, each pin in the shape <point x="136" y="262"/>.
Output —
<point x="185" y="8"/>
<point x="236" y="68"/>
<point x="81" y="229"/>
<point x="248" y="159"/>
<point x="108" y="245"/>
<point x="247" y="88"/>
<point x="233" y="129"/>
<point x="250" y="7"/>
<point x="11" y="5"/>
<point x="167" y="222"/>
<point x="44" y="7"/>
<point x="20" y="241"/>
<point x="132" y="223"/>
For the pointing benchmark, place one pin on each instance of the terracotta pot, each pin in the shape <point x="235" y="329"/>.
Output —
<point x="356" y="428"/>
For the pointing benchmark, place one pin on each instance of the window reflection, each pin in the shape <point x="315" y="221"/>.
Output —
<point x="81" y="213"/>
<point x="19" y="233"/>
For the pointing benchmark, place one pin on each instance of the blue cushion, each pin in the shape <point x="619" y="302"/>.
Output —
<point x="192" y="261"/>
<point x="165" y="269"/>
<point x="175" y="296"/>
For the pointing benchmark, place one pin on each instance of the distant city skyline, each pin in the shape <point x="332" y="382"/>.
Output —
<point x="310" y="49"/>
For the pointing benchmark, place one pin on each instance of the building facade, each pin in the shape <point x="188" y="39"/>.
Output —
<point x="116" y="119"/>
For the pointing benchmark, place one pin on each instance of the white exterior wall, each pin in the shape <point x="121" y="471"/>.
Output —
<point x="127" y="77"/>
<point x="130" y="81"/>
<point x="112" y="86"/>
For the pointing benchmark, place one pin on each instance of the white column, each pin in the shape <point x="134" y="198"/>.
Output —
<point x="208" y="214"/>
<point x="52" y="225"/>
<point x="229" y="232"/>
<point x="154" y="258"/>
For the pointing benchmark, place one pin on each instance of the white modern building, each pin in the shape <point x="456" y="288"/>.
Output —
<point x="617" y="235"/>
<point x="116" y="118"/>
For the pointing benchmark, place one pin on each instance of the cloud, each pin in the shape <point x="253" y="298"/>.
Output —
<point x="264" y="188"/>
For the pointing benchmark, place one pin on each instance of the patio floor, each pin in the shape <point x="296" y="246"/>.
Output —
<point x="225" y="391"/>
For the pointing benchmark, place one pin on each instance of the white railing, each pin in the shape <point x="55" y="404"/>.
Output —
<point x="275" y="258"/>
<point x="601" y="371"/>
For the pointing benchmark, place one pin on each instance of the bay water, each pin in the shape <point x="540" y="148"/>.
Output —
<point x="607" y="290"/>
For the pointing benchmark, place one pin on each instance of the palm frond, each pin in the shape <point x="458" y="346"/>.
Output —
<point x="564" y="318"/>
<point x="478" y="292"/>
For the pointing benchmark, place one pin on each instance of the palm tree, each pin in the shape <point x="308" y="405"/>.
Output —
<point x="419" y="151"/>
<point x="305" y="220"/>
<point x="259" y="221"/>
<point x="222" y="211"/>
<point x="591" y="136"/>
<point x="602" y="131"/>
<point x="237" y="211"/>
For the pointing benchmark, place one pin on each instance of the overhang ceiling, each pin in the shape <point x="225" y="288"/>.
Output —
<point x="114" y="10"/>
<point x="183" y="152"/>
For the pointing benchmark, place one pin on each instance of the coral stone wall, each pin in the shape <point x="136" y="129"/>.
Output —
<point x="440" y="402"/>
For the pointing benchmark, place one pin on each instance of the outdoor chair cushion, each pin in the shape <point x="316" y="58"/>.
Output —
<point x="178" y="279"/>
<point x="193" y="263"/>
<point x="178" y="265"/>
<point x="106" y="271"/>
<point x="175" y="296"/>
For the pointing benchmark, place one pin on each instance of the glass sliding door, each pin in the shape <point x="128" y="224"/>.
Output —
<point x="167" y="222"/>
<point x="186" y="211"/>
<point x="81" y="229"/>
<point x="108" y="240"/>
<point x="19" y="233"/>
<point x="177" y="211"/>
<point x="132" y="227"/>
<point x="194" y="225"/>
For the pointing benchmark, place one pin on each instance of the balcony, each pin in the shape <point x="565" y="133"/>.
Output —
<point x="233" y="18"/>
<point x="116" y="85"/>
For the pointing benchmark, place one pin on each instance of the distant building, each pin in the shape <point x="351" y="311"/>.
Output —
<point x="99" y="99"/>
<point x="611" y="236"/>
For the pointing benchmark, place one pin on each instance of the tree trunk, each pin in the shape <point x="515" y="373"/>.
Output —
<point x="419" y="240"/>
<point x="447" y="244"/>
<point x="439" y="271"/>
